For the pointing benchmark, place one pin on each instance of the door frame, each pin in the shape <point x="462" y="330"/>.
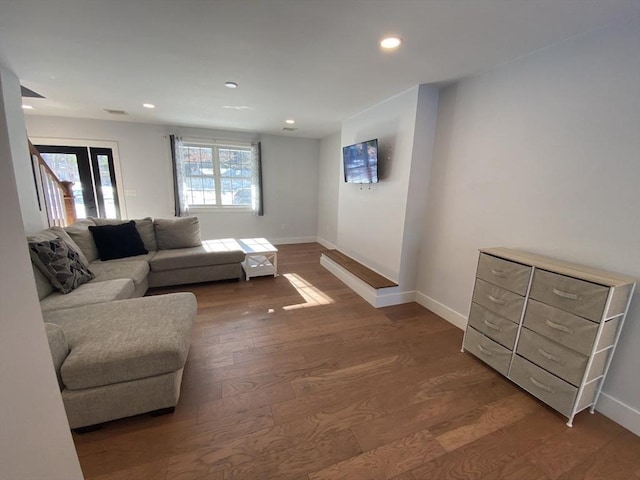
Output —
<point x="74" y="142"/>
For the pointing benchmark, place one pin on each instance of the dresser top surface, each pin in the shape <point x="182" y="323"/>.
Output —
<point x="589" y="274"/>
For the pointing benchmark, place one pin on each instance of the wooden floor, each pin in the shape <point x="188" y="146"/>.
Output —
<point x="298" y="378"/>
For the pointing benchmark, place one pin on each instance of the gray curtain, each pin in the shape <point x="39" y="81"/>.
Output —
<point x="256" y="198"/>
<point x="181" y="205"/>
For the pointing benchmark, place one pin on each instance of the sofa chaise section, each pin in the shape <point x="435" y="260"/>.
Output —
<point x="121" y="358"/>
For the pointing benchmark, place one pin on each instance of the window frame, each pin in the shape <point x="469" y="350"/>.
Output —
<point x="217" y="175"/>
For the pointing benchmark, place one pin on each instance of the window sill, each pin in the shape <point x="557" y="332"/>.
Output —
<point x="219" y="209"/>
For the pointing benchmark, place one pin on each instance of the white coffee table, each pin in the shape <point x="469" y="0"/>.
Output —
<point x="261" y="257"/>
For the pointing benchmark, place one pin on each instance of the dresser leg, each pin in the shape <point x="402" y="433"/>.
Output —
<point x="570" y="422"/>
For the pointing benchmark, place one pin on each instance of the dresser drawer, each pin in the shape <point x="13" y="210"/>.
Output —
<point x="569" y="294"/>
<point x="487" y="350"/>
<point x="498" y="300"/>
<point x="493" y="326"/>
<point x="551" y="356"/>
<point x="503" y="273"/>
<point x="570" y="330"/>
<point x="550" y="389"/>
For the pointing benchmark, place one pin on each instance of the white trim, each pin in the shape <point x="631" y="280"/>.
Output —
<point x="326" y="244"/>
<point x="377" y="298"/>
<point x="291" y="240"/>
<point x="620" y="413"/>
<point x="450" y="315"/>
<point x="396" y="298"/>
<point x="220" y="209"/>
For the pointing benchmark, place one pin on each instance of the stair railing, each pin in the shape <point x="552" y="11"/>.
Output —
<point x="58" y="195"/>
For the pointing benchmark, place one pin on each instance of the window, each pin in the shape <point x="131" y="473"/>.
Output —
<point x="217" y="175"/>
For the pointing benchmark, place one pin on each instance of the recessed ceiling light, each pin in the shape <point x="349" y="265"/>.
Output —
<point x="148" y="105"/>
<point x="27" y="107"/>
<point x="290" y="122"/>
<point x="391" y="42"/>
<point x="231" y="84"/>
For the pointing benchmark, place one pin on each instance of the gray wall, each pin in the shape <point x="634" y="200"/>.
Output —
<point x="329" y="178"/>
<point x="35" y="441"/>
<point x="542" y="155"/>
<point x="290" y="175"/>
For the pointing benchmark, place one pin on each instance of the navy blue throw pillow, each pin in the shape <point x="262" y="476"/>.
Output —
<point x="118" y="241"/>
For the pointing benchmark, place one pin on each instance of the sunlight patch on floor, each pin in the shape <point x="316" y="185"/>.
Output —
<point x="311" y="295"/>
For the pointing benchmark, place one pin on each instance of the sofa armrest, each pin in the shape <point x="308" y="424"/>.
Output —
<point x="58" y="346"/>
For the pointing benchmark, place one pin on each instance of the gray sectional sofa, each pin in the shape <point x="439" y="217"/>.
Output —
<point x="116" y="354"/>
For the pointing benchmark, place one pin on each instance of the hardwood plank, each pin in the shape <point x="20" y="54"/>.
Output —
<point x="296" y="462"/>
<point x="490" y="418"/>
<point x="422" y="415"/>
<point x="385" y="462"/>
<point x="493" y="451"/>
<point x="574" y="445"/>
<point x="366" y="381"/>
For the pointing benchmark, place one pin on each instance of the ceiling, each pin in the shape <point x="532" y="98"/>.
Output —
<point x="315" y="61"/>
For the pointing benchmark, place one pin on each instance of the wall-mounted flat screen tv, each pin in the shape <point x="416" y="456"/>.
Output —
<point x="361" y="162"/>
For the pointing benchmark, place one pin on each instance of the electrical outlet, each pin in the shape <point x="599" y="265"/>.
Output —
<point x="283" y="226"/>
<point x="130" y="193"/>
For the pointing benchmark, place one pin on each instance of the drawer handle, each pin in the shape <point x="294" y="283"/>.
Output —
<point x="486" y="351"/>
<point x="557" y="326"/>
<point x="496" y="300"/>
<point x="499" y="273"/>
<point x="550" y="356"/>
<point x="570" y="296"/>
<point x="492" y="326"/>
<point x="541" y="385"/>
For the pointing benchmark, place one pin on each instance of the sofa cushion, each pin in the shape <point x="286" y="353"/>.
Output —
<point x="182" y="232"/>
<point x="60" y="263"/>
<point x="125" y="340"/>
<point x="58" y="346"/>
<point x="118" y="241"/>
<point x="58" y="232"/>
<point x="43" y="285"/>
<point x="90" y="293"/>
<point x="201" y="256"/>
<point x="144" y="226"/>
<point x="136" y="270"/>
<point x="79" y="232"/>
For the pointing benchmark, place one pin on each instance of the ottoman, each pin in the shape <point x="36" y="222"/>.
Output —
<point x="121" y="358"/>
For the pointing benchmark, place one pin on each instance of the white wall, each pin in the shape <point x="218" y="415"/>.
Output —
<point x="543" y="155"/>
<point x="35" y="441"/>
<point x="381" y="225"/>
<point x="371" y="218"/>
<point x="329" y="179"/>
<point x="290" y="175"/>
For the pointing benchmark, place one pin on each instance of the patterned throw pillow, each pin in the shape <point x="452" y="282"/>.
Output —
<point x="60" y="263"/>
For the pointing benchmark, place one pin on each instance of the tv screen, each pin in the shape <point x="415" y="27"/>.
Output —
<point x="361" y="162"/>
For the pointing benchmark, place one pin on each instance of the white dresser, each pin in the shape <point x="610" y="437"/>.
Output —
<point x="549" y="326"/>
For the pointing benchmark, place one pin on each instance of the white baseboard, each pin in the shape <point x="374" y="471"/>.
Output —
<point x="326" y="244"/>
<point x="291" y="240"/>
<point x="445" y="312"/>
<point x="383" y="297"/>
<point x="620" y="413"/>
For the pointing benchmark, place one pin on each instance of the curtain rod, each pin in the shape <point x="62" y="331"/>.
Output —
<point x="254" y="138"/>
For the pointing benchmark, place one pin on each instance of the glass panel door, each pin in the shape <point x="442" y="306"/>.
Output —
<point x="104" y="177"/>
<point x="93" y="175"/>
<point x="72" y="164"/>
